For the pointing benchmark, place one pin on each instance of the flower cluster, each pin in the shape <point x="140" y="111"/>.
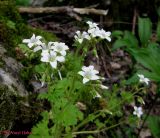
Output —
<point x="93" y="31"/>
<point x="51" y="53"/>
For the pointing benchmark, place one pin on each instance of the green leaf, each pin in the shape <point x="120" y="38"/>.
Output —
<point x="99" y="124"/>
<point x="120" y="43"/>
<point x="24" y="47"/>
<point x="11" y="25"/>
<point x="117" y="34"/>
<point x="149" y="58"/>
<point x="144" y="30"/>
<point x="133" y="42"/>
<point x="127" y="97"/>
<point x="40" y="68"/>
<point x="41" y="129"/>
<point x="128" y="41"/>
<point x="69" y="115"/>
<point x="132" y="80"/>
<point x="154" y="125"/>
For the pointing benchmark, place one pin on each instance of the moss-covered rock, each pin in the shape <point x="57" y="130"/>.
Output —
<point x="13" y="29"/>
<point x="15" y="115"/>
<point x="7" y="107"/>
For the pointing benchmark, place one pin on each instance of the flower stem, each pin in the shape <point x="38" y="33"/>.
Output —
<point x="59" y="73"/>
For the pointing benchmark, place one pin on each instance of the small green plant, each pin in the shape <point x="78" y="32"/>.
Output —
<point x="154" y="125"/>
<point x="144" y="50"/>
<point x="76" y="93"/>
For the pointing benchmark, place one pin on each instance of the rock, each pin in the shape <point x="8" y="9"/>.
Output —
<point x="11" y="89"/>
<point x="9" y="74"/>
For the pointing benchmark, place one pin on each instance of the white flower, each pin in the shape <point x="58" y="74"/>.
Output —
<point x="60" y="48"/>
<point x="44" y="47"/>
<point x="52" y="58"/>
<point x="94" y="32"/>
<point x="81" y="36"/>
<point x="92" y="25"/>
<point x="104" y="35"/>
<point x="33" y="41"/>
<point x="104" y="87"/>
<point x="138" y="111"/>
<point x="143" y="79"/>
<point x="89" y="73"/>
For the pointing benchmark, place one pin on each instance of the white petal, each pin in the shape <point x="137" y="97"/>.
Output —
<point x="60" y="58"/>
<point x="94" y="77"/>
<point x="38" y="37"/>
<point x="135" y="113"/>
<point x="104" y="87"/>
<point x="95" y="71"/>
<point x="42" y="83"/>
<point x="43" y="45"/>
<point x="135" y="108"/>
<point x="45" y="59"/>
<point x="91" y="67"/>
<point x="37" y="48"/>
<point x="30" y="45"/>
<point x="81" y="73"/>
<point x="26" y="40"/>
<point x="108" y="38"/>
<point x="44" y="52"/>
<point x="52" y="53"/>
<point x="140" y="76"/>
<point x="65" y="47"/>
<point x="54" y="64"/>
<point x="85" y="80"/>
<point x="33" y="36"/>
<point x="63" y="53"/>
<point x="78" y="32"/>
<point x="84" y="68"/>
<point x="38" y="42"/>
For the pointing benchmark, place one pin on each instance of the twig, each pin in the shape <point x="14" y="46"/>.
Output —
<point x="134" y="20"/>
<point x="62" y="9"/>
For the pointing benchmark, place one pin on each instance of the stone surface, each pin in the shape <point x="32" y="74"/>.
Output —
<point x="9" y="73"/>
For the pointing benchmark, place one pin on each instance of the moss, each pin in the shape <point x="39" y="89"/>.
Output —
<point x="8" y="10"/>
<point x="13" y="30"/>
<point x="7" y="107"/>
<point x="14" y="113"/>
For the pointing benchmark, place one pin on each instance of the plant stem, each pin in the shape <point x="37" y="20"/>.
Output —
<point x="59" y="73"/>
<point x="97" y="131"/>
<point x="86" y="121"/>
